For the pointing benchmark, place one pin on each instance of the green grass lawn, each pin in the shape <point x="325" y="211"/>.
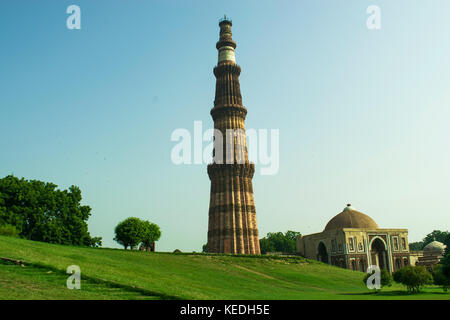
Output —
<point x="120" y="274"/>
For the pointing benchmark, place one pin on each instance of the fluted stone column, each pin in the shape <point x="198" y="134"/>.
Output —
<point x="232" y="226"/>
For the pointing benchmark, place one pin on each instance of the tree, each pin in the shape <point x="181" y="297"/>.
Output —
<point x="439" y="278"/>
<point x="292" y="235"/>
<point x="266" y="245"/>
<point x="437" y="235"/>
<point x="150" y="234"/>
<point x="446" y="265"/>
<point x="277" y="241"/>
<point x="205" y="248"/>
<point x="413" y="278"/>
<point x="416" y="246"/>
<point x="447" y="243"/>
<point x="385" y="278"/>
<point x="129" y="232"/>
<point x="41" y="212"/>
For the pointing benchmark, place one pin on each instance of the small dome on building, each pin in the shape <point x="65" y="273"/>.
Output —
<point x="435" y="246"/>
<point x="350" y="218"/>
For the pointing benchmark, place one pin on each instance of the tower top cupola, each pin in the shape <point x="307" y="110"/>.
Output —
<point x="226" y="44"/>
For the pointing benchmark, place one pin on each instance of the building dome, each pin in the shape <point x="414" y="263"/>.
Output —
<point x="435" y="246"/>
<point x="350" y="218"/>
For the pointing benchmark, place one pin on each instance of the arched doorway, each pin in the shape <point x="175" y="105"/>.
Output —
<point x="362" y="266"/>
<point x="379" y="254"/>
<point x="398" y="264"/>
<point x="405" y="262"/>
<point x="322" y="254"/>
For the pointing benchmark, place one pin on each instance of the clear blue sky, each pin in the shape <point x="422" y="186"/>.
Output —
<point x="364" y="115"/>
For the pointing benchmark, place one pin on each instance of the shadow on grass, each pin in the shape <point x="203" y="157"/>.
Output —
<point x="93" y="280"/>
<point x="393" y="293"/>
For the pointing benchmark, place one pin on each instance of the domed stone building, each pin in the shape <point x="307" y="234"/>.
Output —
<point x="353" y="240"/>
<point x="432" y="254"/>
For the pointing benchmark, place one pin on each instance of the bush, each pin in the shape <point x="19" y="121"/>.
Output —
<point x="413" y="278"/>
<point x="9" y="230"/>
<point x="446" y="265"/>
<point x="439" y="278"/>
<point x="385" y="280"/>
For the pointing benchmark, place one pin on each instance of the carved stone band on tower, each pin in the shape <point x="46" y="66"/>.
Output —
<point x="232" y="224"/>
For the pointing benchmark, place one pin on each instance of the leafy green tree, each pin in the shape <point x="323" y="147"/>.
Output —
<point x="129" y="232"/>
<point x="437" y="235"/>
<point x="266" y="245"/>
<point x="446" y="265"/>
<point x="41" y="212"/>
<point x="95" y="242"/>
<point x="416" y="246"/>
<point x="447" y="243"/>
<point x="292" y="236"/>
<point x="205" y="248"/>
<point x="279" y="242"/>
<point x="385" y="278"/>
<point x="439" y="278"/>
<point x="413" y="278"/>
<point x="151" y="233"/>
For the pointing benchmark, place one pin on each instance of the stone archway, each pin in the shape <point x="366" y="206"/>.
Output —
<point x="322" y="254"/>
<point x="378" y="252"/>
<point x="398" y="264"/>
<point x="362" y="265"/>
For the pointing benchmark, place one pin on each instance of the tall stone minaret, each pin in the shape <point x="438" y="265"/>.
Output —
<point x="232" y="224"/>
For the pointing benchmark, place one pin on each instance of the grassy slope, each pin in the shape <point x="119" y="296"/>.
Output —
<point x="119" y="274"/>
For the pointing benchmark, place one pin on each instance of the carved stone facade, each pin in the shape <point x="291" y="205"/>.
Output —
<point x="352" y="240"/>
<point x="232" y="226"/>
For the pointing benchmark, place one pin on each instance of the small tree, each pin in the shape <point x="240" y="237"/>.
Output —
<point x="129" y="232"/>
<point x="413" y="278"/>
<point x="151" y="233"/>
<point x="439" y="278"/>
<point x="447" y="243"/>
<point x="446" y="265"/>
<point x="205" y="248"/>
<point x="385" y="278"/>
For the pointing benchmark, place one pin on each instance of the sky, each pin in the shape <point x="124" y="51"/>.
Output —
<point x="363" y="115"/>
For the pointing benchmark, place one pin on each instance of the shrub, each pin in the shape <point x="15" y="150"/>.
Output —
<point x="446" y="265"/>
<point x="9" y="230"/>
<point x="413" y="278"/>
<point x="439" y="278"/>
<point x="385" y="278"/>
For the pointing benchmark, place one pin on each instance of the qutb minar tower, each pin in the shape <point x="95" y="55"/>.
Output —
<point x="232" y="224"/>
